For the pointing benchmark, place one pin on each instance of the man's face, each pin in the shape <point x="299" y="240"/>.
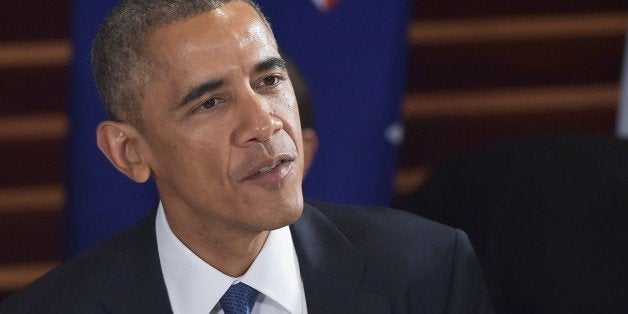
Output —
<point x="221" y="126"/>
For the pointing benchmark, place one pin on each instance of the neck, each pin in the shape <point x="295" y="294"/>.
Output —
<point x="228" y="250"/>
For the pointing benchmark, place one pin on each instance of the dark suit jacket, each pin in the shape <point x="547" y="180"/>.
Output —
<point x="352" y="260"/>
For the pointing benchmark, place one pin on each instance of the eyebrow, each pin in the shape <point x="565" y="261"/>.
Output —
<point x="270" y="63"/>
<point x="199" y="91"/>
<point x="211" y="85"/>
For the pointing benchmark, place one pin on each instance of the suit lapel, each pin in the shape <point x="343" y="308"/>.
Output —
<point x="331" y="268"/>
<point x="134" y="283"/>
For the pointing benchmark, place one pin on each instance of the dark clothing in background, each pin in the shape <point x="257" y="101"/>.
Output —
<point x="548" y="218"/>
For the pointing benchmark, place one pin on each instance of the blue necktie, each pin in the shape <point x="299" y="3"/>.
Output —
<point x="239" y="299"/>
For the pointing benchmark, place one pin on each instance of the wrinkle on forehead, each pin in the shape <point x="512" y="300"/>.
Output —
<point x="211" y="45"/>
<point x="225" y="24"/>
<point x="257" y="33"/>
<point x="257" y="30"/>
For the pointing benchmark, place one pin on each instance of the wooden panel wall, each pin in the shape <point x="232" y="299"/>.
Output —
<point x="484" y="72"/>
<point x="477" y="73"/>
<point x="34" y="87"/>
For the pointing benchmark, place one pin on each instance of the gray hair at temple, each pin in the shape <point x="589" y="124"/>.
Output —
<point x="120" y="62"/>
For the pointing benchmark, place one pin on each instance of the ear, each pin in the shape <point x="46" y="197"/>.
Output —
<point x="310" y="146"/>
<point x="120" y="142"/>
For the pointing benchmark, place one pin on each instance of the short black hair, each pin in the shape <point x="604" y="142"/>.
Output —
<point x="120" y="63"/>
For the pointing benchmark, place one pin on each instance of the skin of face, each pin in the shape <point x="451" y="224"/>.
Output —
<point x="221" y="134"/>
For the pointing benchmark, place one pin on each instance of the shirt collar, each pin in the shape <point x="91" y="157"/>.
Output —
<point x="275" y="272"/>
<point x="195" y="286"/>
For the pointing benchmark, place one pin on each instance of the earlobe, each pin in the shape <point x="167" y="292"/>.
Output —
<point x="120" y="143"/>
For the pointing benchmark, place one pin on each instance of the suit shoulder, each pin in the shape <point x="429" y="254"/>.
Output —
<point x="75" y="282"/>
<point x="70" y="282"/>
<point x="387" y="225"/>
<point x="394" y="240"/>
<point x="431" y="262"/>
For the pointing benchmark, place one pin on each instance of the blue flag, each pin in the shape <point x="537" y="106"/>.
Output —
<point x="101" y="201"/>
<point x="352" y="54"/>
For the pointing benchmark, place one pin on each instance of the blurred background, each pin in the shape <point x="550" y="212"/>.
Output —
<point x="476" y="73"/>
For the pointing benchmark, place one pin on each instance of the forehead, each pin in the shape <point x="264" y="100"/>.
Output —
<point x="232" y="33"/>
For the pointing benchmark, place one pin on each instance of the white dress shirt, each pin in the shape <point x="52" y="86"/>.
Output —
<point x="196" y="287"/>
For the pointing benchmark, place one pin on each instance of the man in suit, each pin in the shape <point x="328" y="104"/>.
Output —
<point x="200" y="99"/>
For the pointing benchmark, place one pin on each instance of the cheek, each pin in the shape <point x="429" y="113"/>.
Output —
<point x="211" y="152"/>
<point x="207" y="149"/>
<point x="289" y="109"/>
<point x="190" y="154"/>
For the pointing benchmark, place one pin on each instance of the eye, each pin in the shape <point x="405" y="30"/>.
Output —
<point x="271" y="80"/>
<point x="207" y="104"/>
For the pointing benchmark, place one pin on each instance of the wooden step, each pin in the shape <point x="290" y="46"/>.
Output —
<point x="510" y="101"/>
<point x="16" y="276"/>
<point x="407" y="180"/>
<point x="33" y="199"/>
<point x="31" y="223"/>
<point x="35" y="53"/>
<point x="35" y="148"/>
<point x="499" y="64"/>
<point x="447" y="9"/>
<point x="517" y="28"/>
<point x="40" y="126"/>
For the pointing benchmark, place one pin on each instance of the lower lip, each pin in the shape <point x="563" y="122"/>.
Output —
<point x="275" y="175"/>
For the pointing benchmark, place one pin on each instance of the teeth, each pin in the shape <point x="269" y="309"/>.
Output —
<point x="266" y="169"/>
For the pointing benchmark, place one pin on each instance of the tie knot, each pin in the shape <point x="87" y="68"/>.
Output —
<point x="239" y="299"/>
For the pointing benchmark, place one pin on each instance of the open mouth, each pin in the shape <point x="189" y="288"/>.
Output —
<point x="273" y="170"/>
<point x="267" y="169"/>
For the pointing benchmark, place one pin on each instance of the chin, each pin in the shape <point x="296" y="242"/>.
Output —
<point x="283" y="214"/>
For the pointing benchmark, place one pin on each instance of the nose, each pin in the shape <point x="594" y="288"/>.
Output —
<point x="257" y="122"/>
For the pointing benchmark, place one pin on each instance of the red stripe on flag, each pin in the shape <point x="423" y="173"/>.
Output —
<point x="331" y="4"/>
